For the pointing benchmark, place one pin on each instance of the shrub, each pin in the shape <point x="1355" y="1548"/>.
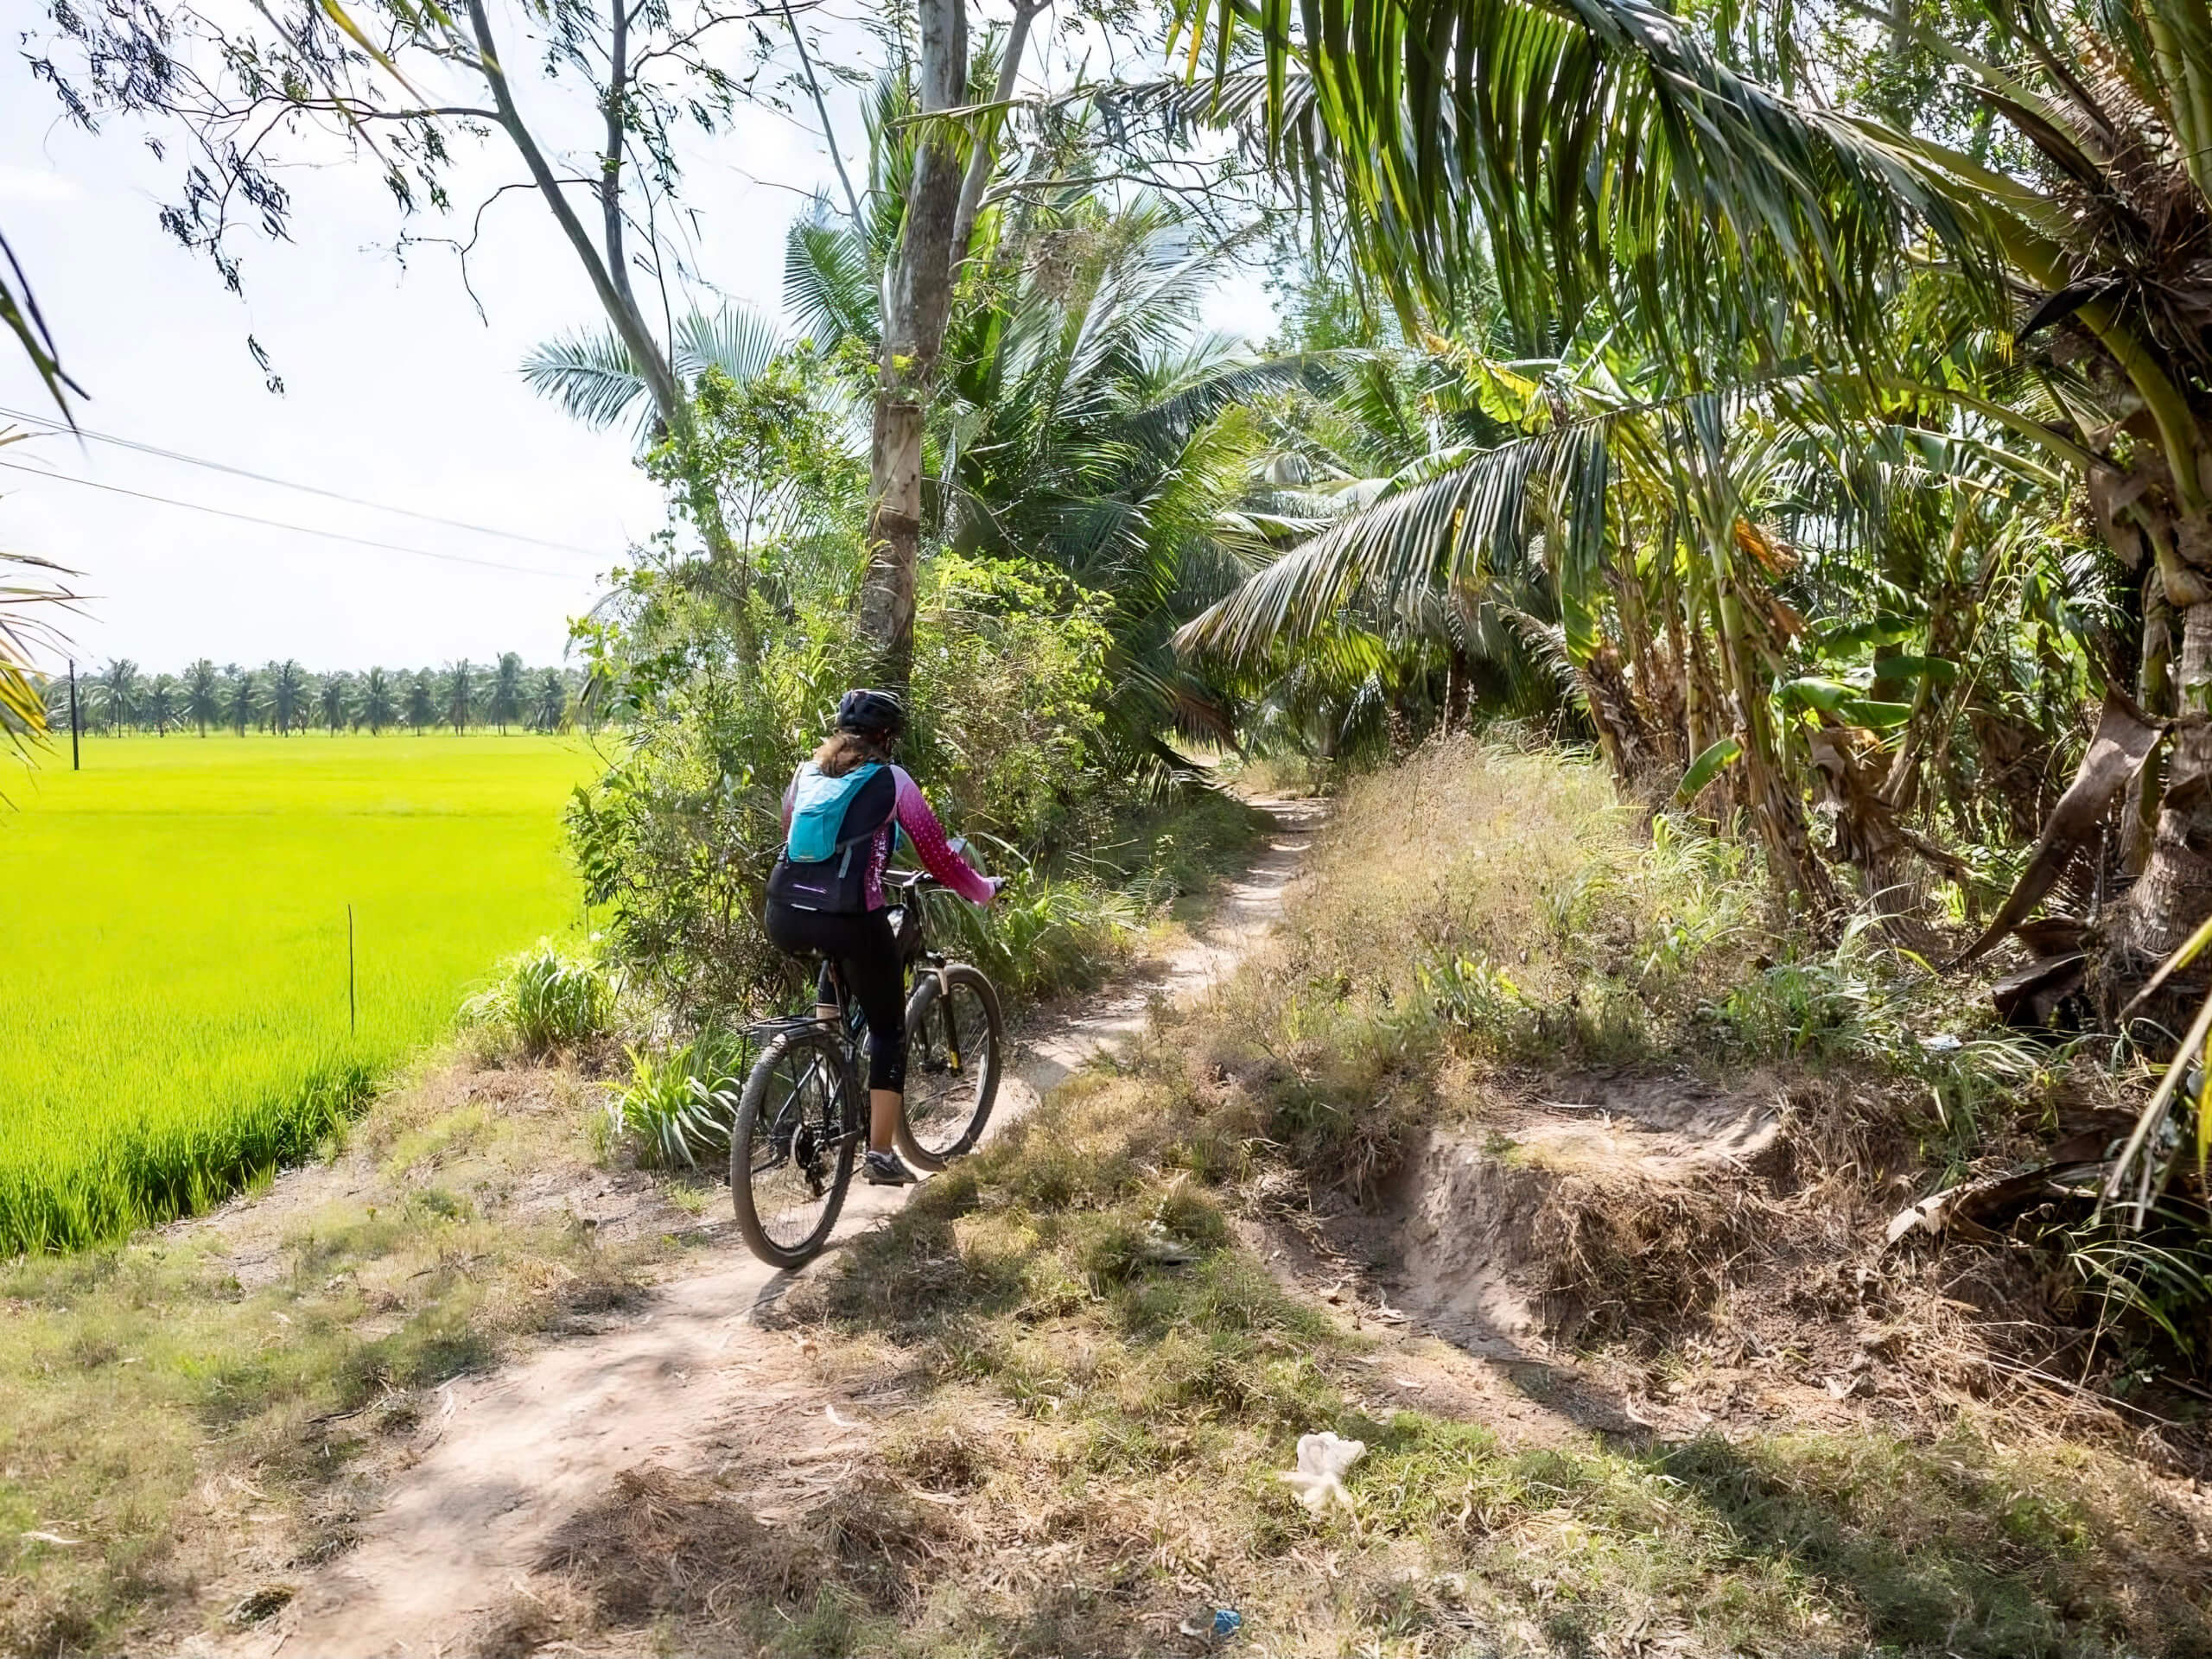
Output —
<point x="544" y="999"/>
<point x="727" y="698"/>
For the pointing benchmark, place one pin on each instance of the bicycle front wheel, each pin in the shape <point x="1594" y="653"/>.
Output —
<point x="955" y="1048"/>
<point x="790" y="1152"/>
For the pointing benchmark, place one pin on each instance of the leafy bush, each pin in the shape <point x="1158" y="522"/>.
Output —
<point x="544" y="999"/>
<point x="680" y="1106"/>
<point x="728" y="697"/>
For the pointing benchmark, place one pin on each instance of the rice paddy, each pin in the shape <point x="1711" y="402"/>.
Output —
<point x="176" y="995"/>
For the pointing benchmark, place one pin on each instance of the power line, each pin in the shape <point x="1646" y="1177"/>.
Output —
<point x="51" y="424"/>
<point x="278" y="523"/>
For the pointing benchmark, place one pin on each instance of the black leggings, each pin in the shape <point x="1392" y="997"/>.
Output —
<point x="867" y="957"/>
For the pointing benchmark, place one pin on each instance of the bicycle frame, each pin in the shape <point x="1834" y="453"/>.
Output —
<point x="852" y="1027"/>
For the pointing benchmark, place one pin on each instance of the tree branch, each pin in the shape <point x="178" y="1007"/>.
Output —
<point x="985" y="143"/>
<point x="614" y="298"/>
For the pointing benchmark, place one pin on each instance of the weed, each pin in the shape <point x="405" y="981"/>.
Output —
<point x="1118" y="1410"/>
<point x="543" y="1000"/>
<point x="680" y="1106"/>
<point x="1042" y="935"/>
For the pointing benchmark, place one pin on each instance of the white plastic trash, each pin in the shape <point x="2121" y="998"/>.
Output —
<point x="1320" y="1477"/>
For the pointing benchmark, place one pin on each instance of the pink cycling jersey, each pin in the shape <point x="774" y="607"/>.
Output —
<point x="911" y="812"/>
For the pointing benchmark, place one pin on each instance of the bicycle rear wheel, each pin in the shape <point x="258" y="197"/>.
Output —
<point x="955" y="1050"/>
<point x="790" y="1152"/>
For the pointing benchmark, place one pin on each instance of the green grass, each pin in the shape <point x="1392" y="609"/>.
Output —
<point x="176" y="922"/>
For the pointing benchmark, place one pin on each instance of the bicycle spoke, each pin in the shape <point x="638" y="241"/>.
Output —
<point x="797" y="1146"/>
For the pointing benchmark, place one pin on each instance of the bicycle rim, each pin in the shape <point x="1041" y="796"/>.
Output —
<point x="952" y="1066"/>
<point x="795" y="1151"/>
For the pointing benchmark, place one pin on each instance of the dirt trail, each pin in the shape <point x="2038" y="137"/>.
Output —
<point x="517" y="1452"/>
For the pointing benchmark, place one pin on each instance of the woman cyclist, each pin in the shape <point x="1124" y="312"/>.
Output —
<point x="848" y="803"/>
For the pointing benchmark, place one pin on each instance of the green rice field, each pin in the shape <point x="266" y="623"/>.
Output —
<point x="173" y="920"/>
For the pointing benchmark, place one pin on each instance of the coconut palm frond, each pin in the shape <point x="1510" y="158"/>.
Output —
<point x="592" y="375"/>
<point x="737" y="339"/>
<point x="829" y="283"/>
<point x="27" y="630"/>
<point x="1583" y="151"/>
<point x="1428" y="529"/>
<point x="594" y="378"/>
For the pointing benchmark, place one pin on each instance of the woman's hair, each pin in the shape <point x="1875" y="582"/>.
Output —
<point x="846" y="750"/>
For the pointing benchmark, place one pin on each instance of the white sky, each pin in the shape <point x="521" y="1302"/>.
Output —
<point x="396" y="392"/>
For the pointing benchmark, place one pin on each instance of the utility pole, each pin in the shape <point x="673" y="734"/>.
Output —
<point x="76" y="761"/>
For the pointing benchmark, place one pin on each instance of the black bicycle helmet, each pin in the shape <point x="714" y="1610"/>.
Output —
<point x="871" y="712"/>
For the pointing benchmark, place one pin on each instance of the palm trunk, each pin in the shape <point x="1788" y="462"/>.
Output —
<point x="2174" y="893"/>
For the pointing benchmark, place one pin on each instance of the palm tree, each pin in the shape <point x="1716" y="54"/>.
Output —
<point x="506" y="691"/>
<point x="592" y="375"/>
<point x="421" y="701"/>
<point x="1605" y="156"/>
<point x="288" y="696"/>
<point x="1095" y="427"/>
<point x="549" y="708"/>
<point x="23" y="632"/>
<point x="160" y="702"/>
<point x="244" y="697"/>
<point x="376" y="705"/>
<point x="119" y="684"/>
<point x="460" y="695"/>
<point x="333" y="700"/>
<point x="203" y="695"/>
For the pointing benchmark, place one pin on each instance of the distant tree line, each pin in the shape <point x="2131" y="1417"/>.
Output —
<point x="285" y="698"/>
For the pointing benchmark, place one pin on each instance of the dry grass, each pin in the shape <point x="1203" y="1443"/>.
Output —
<point x="1102" y="1374"/>
<point x="194" y="1410"/>
<point x="1101" y="1381"/>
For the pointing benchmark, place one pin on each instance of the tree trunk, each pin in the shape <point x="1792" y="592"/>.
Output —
<point x="2174" y="893"/>
<point x="913" y="331"/>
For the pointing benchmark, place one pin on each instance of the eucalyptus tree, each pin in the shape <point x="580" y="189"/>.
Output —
<point x="203" y="695"/>
<point x="377" y="707"/>
<point x="321" y="77"/>
<point x="396" y="86"/>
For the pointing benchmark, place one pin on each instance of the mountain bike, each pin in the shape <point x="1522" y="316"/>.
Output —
<point x="802" y="1119"/>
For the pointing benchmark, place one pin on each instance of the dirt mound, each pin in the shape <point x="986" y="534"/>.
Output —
<point x="1590" y="1205"/>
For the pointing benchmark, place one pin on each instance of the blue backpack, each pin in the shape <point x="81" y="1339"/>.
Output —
<point x="824" y="865"/>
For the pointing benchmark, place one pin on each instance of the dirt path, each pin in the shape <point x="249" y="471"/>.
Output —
<point x="519" y="1450"/>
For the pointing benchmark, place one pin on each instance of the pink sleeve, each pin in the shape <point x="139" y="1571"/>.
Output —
<point x="928" y="836"/>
